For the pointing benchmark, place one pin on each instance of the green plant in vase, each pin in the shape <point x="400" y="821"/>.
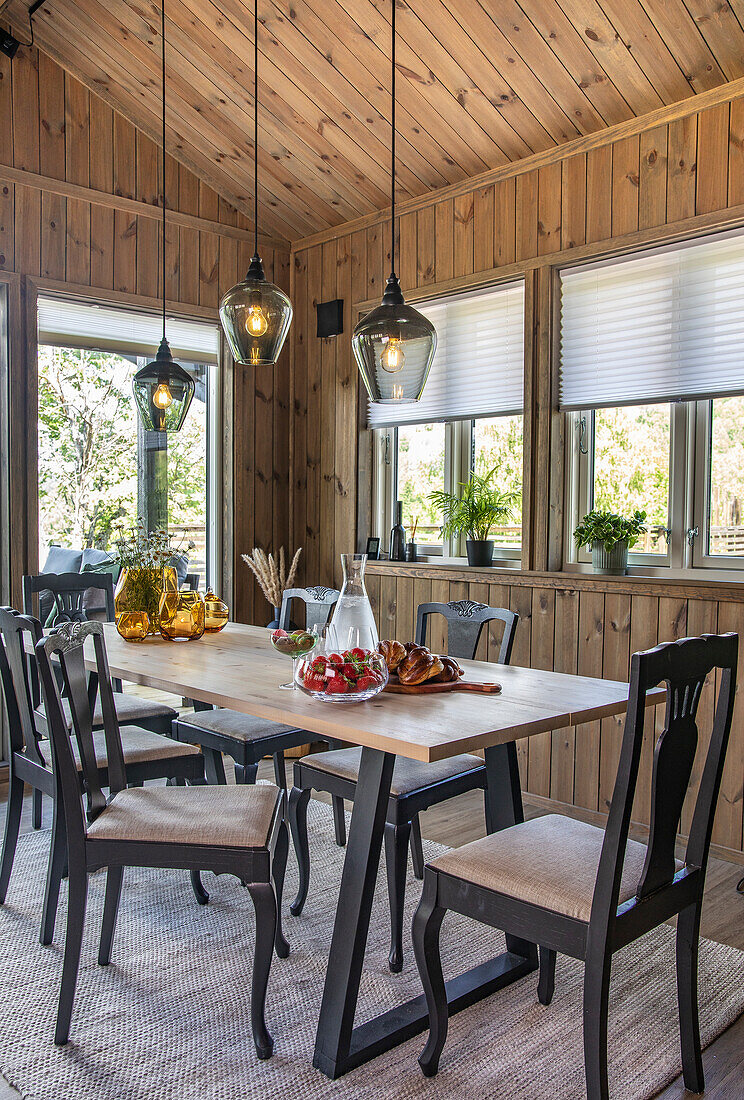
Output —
<point x="146" y="572"/>
<point x="610" y="536"/>
<point x="474" y="511"/>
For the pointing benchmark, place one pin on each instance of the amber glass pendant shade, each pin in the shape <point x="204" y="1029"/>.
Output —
<point x="181" y="616"/>
<point x="255" y="317"/>
<point x="216" y="612"/>
<point x="394" y="348"/>
<point x="163" y="391"/>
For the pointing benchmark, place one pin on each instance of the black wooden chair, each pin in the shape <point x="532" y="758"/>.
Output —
<point x="248" y="740"/>
<point x="147" y="756"/>
<point x="573" y="888"/>
<point x="229" y="830"/>
<point x="67" y="591"/>
<point x="415" y="786"/>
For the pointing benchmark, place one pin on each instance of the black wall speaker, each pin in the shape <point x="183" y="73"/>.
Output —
<point x="8" y="44"/>
<point x="330" y="318"/>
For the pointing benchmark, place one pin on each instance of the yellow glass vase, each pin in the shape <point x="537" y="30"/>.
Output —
<point x="137" y="600"/>
<point x="216" y="612"/>
<point x="181" y="616"/>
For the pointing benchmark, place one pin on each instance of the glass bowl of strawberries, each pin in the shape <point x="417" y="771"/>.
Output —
<point x="342" y="676"/>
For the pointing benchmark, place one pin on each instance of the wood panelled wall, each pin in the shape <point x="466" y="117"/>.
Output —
<point x="53" y="127"/>
<point x="676" y="176"/>
<point x="580" y="625"/>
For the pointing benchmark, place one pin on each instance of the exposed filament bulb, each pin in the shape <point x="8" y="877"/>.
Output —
<point x="257" y="323"/>
<point x="392" y="358"/>
<point x="162" y="398"/>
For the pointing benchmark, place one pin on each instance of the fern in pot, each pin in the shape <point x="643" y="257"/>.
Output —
<point x="474" y="512"/>
<point x="609" y="537"/>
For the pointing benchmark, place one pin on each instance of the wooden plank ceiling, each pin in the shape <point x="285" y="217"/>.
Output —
<point x="483" y="83"/>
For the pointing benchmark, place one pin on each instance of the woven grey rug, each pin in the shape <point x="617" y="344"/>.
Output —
<point x="169" y="1019"/>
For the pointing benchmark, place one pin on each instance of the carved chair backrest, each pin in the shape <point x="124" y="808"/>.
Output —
<point x="18" y="686"/>
<point x="67" y="591"/>
<point x="465" y="621"/>
<point x="65" y="647"/>
<point x="319" y="602"/>
<point x="684" y="666"/>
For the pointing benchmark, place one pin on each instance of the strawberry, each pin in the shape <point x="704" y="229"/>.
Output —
<point x="366" y="681"/>
<point x="279" y="634"/>
<point x="335" y="659"/>
<point x="319" y="663"/>
<point x="350" y="671"/>
<point x="336" y="685"/>
<point x="358" y="654"/>
<point x="314" y="681"/>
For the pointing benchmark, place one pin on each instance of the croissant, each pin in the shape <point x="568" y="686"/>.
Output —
<point x="420" y="665"/>
<point x="451" y="671"/>
<point x="393" y="652"/>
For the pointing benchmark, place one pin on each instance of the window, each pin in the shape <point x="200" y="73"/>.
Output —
<point x="649" y="379"/>
<point x="98" y="469"/>
<point x="469" y="418"/>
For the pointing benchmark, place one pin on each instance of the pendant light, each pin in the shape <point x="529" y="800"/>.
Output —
<point x="255" y="314"/>
<point x="394" y="344"/>
<point x="162" y="389"/>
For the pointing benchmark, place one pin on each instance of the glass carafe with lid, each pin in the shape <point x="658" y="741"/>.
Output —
<point x="353" y="622"/>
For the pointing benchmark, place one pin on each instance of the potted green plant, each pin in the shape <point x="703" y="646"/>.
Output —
<point x="474" y="511"/>
<point x="610" y="536"/>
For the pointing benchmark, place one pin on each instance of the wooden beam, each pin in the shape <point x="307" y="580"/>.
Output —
<point x="132" y="206"/>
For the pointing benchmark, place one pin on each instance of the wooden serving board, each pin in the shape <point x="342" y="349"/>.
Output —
<point x="397" y="688"/>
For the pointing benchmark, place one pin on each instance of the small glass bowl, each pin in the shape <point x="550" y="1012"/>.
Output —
<point x="351" y="676"/>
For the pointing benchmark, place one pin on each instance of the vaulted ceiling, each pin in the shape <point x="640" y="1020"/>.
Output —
<point x="482" y="83"/>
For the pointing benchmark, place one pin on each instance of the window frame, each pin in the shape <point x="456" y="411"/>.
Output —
<point x="458" y="462"/>
<point x="689" y="479"/>
<point x="218" y="376"/>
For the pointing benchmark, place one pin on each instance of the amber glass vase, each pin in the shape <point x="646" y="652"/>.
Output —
<point x="216" y="612"/>
<point x="137" y="600"/>
<point x="181" y="616"/>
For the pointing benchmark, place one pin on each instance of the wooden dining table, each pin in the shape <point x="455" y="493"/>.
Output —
<point x="238" y="669"/>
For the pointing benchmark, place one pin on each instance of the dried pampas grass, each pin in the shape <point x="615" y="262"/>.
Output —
<point x="271" y="574"/>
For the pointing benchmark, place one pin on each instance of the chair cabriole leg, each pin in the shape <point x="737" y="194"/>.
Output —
<point x="264" y="902"/>
<point x="78" y="893"/>
<point x="427" y="923"/>
<point x="13" y="812"/>
<point x="278" y="870"/>
<point x="397" y="839"/>
<point x="298" y="800"/>
<point x="417" y="851"/>
<point x="596" y="1001"/>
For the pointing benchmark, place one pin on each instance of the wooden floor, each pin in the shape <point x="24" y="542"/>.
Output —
<point x="461" y="820"/>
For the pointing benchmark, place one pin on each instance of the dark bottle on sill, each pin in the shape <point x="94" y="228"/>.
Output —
<point x="398" y="535"/>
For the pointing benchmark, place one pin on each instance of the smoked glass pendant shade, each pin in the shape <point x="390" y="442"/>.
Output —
<point x="163" y="391"/>
<point x="394" y="347"/>
<point x="255" y="317"/>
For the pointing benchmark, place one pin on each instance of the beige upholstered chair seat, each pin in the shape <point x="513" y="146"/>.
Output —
<point x="130" y="709"/>
<point x="232" y="723"/>
<point x="549" y="861"/>
<point x="139" y="746"/>
<point x="408" y="775"/>
<point x="220" y="816"/>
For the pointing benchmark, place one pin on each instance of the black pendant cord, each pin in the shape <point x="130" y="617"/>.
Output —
<point x="392" y="150"/>
<point x="255" y="127"/>
<point x="162" y="44"/>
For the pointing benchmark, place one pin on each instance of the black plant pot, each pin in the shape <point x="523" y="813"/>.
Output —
<point x="480" y="551"/>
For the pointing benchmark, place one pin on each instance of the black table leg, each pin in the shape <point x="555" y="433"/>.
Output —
<point x="356" y="894"/>
<point x="339" y="1046"/>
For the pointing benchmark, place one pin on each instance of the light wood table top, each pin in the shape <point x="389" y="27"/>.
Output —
<point x="238" y="669"/>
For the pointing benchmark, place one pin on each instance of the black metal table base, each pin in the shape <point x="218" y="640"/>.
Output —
<point x="403" y="1022"/>
<point x="340" y="1046"/>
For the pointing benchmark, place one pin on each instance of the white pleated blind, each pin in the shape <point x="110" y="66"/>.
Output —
<point x="478" y="368"/>
<point x="665" y="325"/>
<point x="78" y="324"/>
